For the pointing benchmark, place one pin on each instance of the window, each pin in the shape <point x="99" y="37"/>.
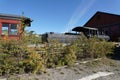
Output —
<point x="9" y="29"/>
<point x="5" y="29"/>
<point x="13" y="29"/>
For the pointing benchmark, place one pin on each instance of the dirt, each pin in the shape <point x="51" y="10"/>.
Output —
<point x="77" y="71"/>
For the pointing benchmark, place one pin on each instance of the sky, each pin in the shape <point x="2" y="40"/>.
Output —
<point x="58" y="15"/>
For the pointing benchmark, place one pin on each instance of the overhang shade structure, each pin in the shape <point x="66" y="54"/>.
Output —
<point x="90" y="32"/>
<point x="82" y="29"/>
<point x="86" y="30"/>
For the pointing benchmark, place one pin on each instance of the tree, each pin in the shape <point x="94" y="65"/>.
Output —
<point x="25" y="22"/>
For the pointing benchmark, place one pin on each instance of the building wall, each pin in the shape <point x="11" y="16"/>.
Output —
<point x="10" y="22"/>
<point x="109" y="23"/>
<point x="113" y="31"/>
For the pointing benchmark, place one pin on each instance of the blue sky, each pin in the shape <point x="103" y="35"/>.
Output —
<point x="58" y="15"/>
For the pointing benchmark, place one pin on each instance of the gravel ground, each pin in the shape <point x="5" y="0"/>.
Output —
<point x="78" y="71"/>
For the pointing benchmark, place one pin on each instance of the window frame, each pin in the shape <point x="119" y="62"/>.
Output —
<point x="9" y="29"/>
<point x="2" y="32"/>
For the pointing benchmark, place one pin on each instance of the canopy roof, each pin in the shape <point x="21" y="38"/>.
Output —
<point x="11" y="16"/>
<point x="80" y="29"/>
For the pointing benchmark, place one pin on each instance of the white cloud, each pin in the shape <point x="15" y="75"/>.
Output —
<point x="83" y="7"/>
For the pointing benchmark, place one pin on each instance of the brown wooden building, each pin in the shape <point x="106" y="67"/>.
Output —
<point x="10" y="25"/>
<point x="106" y="22"/>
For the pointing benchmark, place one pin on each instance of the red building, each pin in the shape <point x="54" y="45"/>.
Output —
<point x="10" y="25"/>
<point x="106" y="22"/>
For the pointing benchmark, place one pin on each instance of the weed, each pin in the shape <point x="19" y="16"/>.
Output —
<point x="61" y="72"/>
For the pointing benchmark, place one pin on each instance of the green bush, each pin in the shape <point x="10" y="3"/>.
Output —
<point x="54" y="50"/>
<point x="104" y="48"/>
<point x="10" y="56"/>
<point x="16" y="57"/>
<point x="69" y="56"/>
<point x="34" y="63"/>
<point x="55" y="54"/>
<point x="92" y="48"/>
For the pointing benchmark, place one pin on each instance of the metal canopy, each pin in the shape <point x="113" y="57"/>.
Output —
<point x="81" y="29"/>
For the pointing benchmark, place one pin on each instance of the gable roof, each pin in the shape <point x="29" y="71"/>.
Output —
<point x="100" y="14"/>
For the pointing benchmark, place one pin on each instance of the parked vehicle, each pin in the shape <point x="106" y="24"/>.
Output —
<point x="61" y="37"/>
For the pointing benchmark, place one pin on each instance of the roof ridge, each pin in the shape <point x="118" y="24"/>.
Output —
<point x="3" y="14"/>
<point x="107" y="13"/>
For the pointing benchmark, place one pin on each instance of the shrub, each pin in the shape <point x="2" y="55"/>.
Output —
<point x="54" y="50"/>
<point x="104" y="48"/>
<point x="92" y="48"/>
<point x="11" y="55"/>
<point x="69" y="56"/>
<point x="34" y="63"/>
<point x="16" y="57"/>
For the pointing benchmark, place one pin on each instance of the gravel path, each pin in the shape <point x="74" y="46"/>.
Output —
<point x="78" y="72"/>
